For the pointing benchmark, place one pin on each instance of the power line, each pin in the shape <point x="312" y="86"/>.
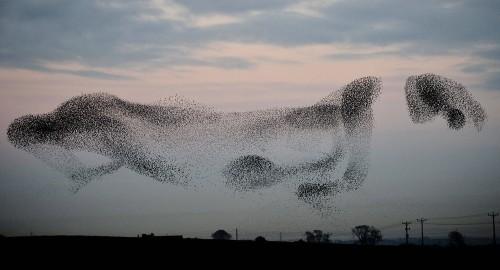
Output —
<point x="459" y="224"/>
<point x="493" y="215"/>
<point x="390" y="226"/>
<point x="458" y="217"/>
<point x="406" y="223"/>
<point x="421" y="220"/>
<point x="441" y="218"/>
<point x="386" y="227"/>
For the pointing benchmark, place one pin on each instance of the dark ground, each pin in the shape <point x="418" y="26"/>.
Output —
<point x="78" y="250"/>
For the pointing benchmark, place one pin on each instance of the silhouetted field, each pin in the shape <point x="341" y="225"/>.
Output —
<point x="122" y="249"/>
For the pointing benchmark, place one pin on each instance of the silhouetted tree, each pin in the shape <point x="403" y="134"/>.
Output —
<point x="367" y="235"/>
<point x="456" y="239"/>
<point x="317" y="236"/>
<point x="260" y="239"/>
<point x="221" y="235"/>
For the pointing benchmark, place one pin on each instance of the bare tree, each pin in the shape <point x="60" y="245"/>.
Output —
<point x="317" y="236"/>
<point x="367" y="235"/>
<point x="221" y="235"/>
<point x="260" y="239"/>
<point x="456" y="239"/>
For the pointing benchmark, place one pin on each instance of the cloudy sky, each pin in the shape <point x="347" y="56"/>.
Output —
<point x="244" y="55"/>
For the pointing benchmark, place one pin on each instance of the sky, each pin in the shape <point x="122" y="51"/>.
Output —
<point x="247" y="55"/>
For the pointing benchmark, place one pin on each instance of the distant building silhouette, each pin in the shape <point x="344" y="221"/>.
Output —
<point x="148" y="235"/>
<point x="166" y="237"/>
<point x="170" y="237"/>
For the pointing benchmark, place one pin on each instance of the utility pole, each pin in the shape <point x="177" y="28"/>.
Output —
<point x="280" y="237"/>
<point x="236" y="234"/>
<point x="406" y="223"/>
<point x="493" y="215"/>
<point x="422" y="220"/>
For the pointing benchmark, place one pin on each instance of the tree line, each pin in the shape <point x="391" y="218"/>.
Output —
<point x="365" y="235"/>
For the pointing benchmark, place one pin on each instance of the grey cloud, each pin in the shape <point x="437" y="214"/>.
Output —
<point x="231" y="63"/>
<point x="486" y="71"/>
<point x="220" y="62"/>
<point x="78" y="72"/>
<point x="93" y="74"/>
<point x="492" y="81"/>
<point x="362" y="56"/>
<point x="88" y="33"/>
<point x="426" y="23"/>
<point x="281" y="61"/>
<point x="100" y="35"/>
<point x="492" y="53"/>
<point x="473" y="68"/>
<point x="231" y="6"/>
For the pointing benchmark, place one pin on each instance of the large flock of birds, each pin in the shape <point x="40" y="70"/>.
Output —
<point x="320" y="150"/>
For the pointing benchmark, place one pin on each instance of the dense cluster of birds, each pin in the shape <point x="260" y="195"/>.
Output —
<point x="319" y="150"/>
<point x="429" y="95"/>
